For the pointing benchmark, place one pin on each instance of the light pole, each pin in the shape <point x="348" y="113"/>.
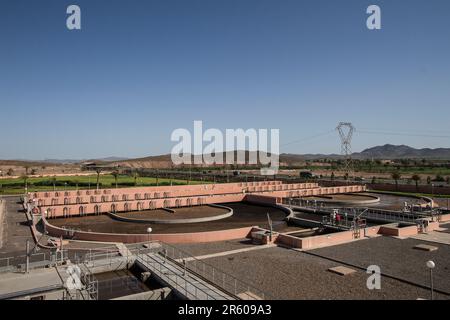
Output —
<point x="27" y="267"/>
<point x="149" y="230"/>
<point x="431" y="265"/>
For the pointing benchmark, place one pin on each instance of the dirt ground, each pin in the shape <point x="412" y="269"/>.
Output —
<point x="180" y="213"/>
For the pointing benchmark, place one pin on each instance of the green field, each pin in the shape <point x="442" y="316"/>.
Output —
<point x="16" y="185"/>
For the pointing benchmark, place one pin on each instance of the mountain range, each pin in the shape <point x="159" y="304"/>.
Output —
<point x="387" y="151"/>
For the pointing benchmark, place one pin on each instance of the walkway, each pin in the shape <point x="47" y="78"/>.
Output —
<point x="438" y="237"/>
<point x="181" y="280"/>
<point x="226" y="253"/>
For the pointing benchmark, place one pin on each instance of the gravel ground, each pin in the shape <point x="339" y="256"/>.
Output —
<point x="397" y="258"/>
<point x="289" y="274"/>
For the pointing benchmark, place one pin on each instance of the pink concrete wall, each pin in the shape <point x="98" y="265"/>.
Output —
<point x="194" y="237"/>
<point x="131" y="199"/>
<point x="289" y="241"/>
<point x="326" y="239"/>
<point x="316" y="241"/>
<point x="183" y="190"/>
<point x="99" y="208"/>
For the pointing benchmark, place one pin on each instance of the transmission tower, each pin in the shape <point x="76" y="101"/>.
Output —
<point x="346" y="130"/>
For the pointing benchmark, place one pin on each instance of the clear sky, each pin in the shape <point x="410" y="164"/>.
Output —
<point x="140" y="69"/>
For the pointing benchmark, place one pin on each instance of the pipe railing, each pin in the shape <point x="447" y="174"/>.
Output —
<point x="208" y="272"/>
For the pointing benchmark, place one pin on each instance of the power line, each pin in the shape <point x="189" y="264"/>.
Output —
<point x="403" y="134"/>
<point x="307" y="138"/>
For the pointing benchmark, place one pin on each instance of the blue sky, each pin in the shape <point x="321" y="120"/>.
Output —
<point x="140" y="69"/>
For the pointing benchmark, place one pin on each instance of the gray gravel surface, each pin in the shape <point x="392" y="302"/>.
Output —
<point x="289" y="274"/>
<point x="397" y="258"/>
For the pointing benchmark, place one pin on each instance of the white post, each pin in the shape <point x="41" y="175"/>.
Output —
<point x="27" y="269"/>
<point x="431" y="265"/>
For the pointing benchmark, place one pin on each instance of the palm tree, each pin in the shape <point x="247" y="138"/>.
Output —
<point x="26" y="169"/>
<point x="98" y="171"/>
<point x="115" y="174"/>
<point x="25" y="180"/>
<point x="54" y="182"/>
<point x="396" y="176"/>
<point x="136" y="175"/>
<point x="416" y="179"/>
<point x="76" y="183"/>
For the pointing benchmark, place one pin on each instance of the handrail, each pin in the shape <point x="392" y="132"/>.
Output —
<point x="193" y="263"/>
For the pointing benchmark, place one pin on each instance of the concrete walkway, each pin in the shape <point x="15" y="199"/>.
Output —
<point x="20" y="284"/>
<point x="184" y="282"/>
<point x="16" y="230"/>
<point x="438" y="237"/>
<point x="226" y="253"/>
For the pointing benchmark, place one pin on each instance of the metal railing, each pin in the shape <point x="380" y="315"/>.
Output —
<point x="90" y="285"/>
<point x="180" y="281"/>
<point x="36" y="260"/>
<point x="367" y="213"/>
<point x="379" y="214"/>
<point x="210" y="273"/>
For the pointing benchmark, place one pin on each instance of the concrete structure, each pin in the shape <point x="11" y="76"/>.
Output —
<point x="79" y="203"/>
<point x="83" y="202"/>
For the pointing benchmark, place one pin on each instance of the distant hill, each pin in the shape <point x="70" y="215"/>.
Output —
<point x="165" y="161"/>
<point x="389" y="151"/>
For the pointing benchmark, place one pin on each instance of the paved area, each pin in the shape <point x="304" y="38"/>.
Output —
<point x="290" y="274"/>
<point x="231" y="252"/>
<point x="15" y="229"/>
<point x="198" y="249"/>
<point x="435" y="236"/>
<point x="38" y="280"/>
